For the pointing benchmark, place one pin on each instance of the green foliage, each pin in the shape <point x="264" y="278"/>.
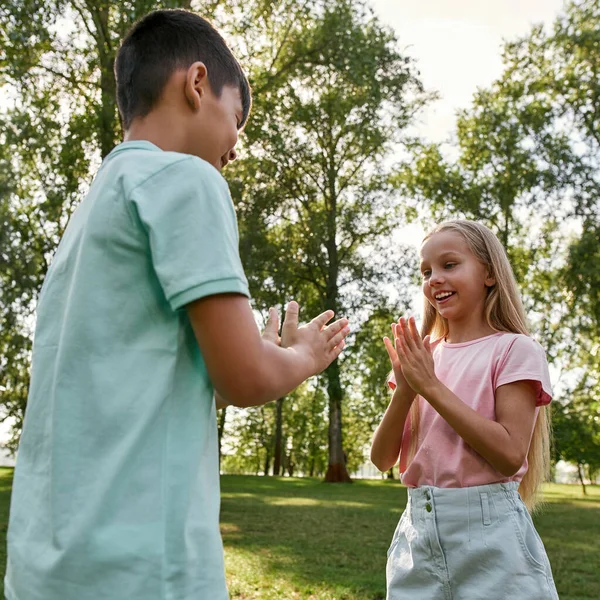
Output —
<point x="251" y="436"/>
<point x="313" y="186"/>
<point x="576" y="424"/>
<point x="528" y="164"/>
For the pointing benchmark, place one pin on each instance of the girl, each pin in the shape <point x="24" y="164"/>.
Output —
<point x="466" y="423"/>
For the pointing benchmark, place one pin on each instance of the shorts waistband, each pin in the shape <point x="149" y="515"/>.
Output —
<point x="456" y="496"/>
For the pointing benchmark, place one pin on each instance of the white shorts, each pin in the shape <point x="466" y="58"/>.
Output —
<point x="476" y="543"/>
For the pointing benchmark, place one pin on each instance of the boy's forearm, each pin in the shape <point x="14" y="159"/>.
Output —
<point x="387" y="440"/>
<point x="220" y="402"/>
<point x="278" y="371"/>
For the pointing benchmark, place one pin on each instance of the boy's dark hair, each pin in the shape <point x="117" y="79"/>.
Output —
<point x="163" y="42"/>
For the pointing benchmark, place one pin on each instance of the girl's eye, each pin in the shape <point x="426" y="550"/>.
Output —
<point x="426" y="274"/>
<point x="449" y="265"/>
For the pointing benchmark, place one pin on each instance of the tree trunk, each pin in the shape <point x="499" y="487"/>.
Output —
<point x="390" y="474"/>
<point x="267" y="460"/>
<point x="580" y="472"/>
<point x="107" y="111"/>
<point x="221" y="428"/>
<point x="336" y="470"/>
<point x="277" y="467"/>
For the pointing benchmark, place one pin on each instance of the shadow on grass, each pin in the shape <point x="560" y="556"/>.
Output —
<point x="316" y="534"/>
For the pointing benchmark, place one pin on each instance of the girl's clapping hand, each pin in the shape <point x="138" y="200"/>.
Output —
<point x="391" y="350"/>
<point x="414" y="357"/>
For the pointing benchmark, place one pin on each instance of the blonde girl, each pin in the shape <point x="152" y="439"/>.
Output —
<point x="468" y="423"/>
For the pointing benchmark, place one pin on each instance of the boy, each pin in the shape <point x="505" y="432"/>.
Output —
<point x="143" y="311"/>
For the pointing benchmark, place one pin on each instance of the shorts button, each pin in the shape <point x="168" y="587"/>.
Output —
<point x="428" y="507"/>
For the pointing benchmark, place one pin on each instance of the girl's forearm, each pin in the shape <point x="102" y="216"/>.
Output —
<point x="387" y="439"/>
<point x="488" y="438"/>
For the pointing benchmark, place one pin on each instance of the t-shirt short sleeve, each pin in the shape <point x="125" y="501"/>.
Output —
<point x="391" y="381"/>
<point x="187" y="212"/>
<point x="525" y="360"/>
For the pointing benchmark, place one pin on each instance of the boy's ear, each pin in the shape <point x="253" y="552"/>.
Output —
<point x="196" y="80"/>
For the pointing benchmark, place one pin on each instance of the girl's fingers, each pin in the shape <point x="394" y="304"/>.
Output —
<point x="406" y="335"/>
<point x="390" y="349"/>
<point x="427" y="343"/>
<point x="401" y="348"/>
<point x="414" y="332"/>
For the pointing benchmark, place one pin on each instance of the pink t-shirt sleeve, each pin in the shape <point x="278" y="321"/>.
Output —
<point x="391" y="381"/>
<point x="525" y="360"/>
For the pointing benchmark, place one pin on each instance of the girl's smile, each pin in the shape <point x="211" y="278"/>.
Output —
<point x="455" y="282"/>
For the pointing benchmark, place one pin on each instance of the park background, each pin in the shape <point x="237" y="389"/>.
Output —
<point x="371" y="121"/>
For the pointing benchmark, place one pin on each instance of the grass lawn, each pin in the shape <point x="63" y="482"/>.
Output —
<point x="288" y="539"/>
<point x="303" y="539"/>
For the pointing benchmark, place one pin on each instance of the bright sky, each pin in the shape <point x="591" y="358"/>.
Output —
<point x="457" y="45"/>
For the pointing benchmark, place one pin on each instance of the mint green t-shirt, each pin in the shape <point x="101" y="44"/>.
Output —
<point x="116" y="489"/>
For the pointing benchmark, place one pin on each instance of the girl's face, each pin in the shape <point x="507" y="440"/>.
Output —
<point x="454" y="281"/>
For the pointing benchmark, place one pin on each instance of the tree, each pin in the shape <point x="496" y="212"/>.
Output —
<point x="60" y="120"/>
<point x="528" y="165"/>
<point x="316" y="179"/>
<point x="576" y="427"/>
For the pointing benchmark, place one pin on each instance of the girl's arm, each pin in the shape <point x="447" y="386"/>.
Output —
<point x="504" y="443"/>
<point x="387" y="440"/>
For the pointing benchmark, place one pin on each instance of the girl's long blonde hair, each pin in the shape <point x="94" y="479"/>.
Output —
<point x="503" y="312"/>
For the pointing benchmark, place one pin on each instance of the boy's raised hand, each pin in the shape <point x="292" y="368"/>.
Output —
<point x="271" y="330"/>
<point x="316" y="342"/>
<point x="248" y="369"/>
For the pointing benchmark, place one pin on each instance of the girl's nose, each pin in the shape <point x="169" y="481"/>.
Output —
<point x="232" y="154"/>
<point x="436" y="278"/>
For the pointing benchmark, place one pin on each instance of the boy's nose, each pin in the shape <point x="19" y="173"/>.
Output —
<point x="232" y="155"/>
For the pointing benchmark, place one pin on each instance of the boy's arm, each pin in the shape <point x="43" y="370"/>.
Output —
<point x="220" y="402"/>
<point x="248" y="370"/>
<point x="271" y="333"/>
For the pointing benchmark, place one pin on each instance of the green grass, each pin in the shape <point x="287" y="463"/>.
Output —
<point x="288" y="539"/>
<point x="303" y="539"/>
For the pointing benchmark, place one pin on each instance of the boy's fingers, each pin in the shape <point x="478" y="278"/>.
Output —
<point x="336" y="327"/>
<point x="273" y="321"/>
<point x="338" y="337"/>
<point x="321" y="320"/>
<point x="291" y="314"/>
<point x="335" y="352"/>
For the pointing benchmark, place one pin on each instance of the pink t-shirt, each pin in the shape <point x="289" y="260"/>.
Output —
<point x="473" y="371"/>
